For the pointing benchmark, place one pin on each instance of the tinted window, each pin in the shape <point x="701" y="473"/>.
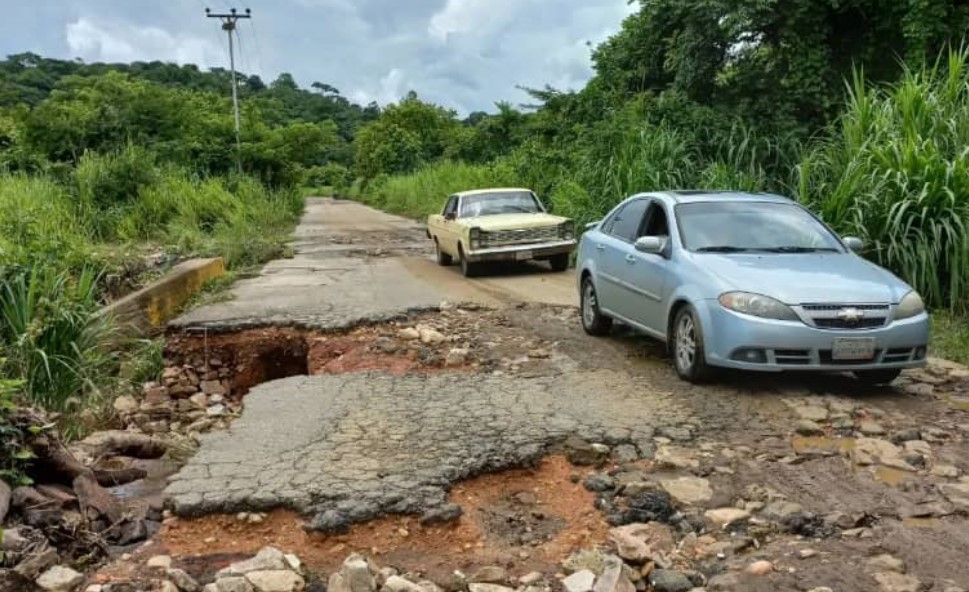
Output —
<point x="625" y="225"/>
<point x="656" y="222"/>
<point x="752" y="226"/>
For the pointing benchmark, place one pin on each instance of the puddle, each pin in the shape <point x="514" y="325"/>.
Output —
<point x="891" y="476"/>
<point x="151" y="487"/>
<point x="960" y="404"/>
<point x="805" y="443"/>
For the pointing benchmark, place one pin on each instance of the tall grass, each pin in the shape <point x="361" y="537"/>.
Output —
<point x="54" y="233"/>
<point x="52" y="339"/>
<point x="896" y="173"/>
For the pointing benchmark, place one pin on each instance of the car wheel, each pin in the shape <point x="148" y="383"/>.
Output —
<point x="559" y="262"/>
<point x="443" y="259"/>
<point x="877" y="377"/>
<point x="468" y="268"/>
<point x="593" y="321"/>
<point x="689" y="357"/>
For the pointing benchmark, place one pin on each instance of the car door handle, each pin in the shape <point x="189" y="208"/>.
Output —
<point x="631" y="259"/>
<point x="600" y="246"/>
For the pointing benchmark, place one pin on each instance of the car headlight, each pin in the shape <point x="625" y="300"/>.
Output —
<point x="910" y="306"/>
<point x="757" y="305"/>
<point x="475" y="235"/>
<point x="567" y="230"/>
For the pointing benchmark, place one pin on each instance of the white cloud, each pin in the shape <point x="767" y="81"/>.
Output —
<point x="125" y="42"/>
<point x="472" y="16"/>
<point x="392" y="88"/>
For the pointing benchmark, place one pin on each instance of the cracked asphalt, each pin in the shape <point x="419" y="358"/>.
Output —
<point x="345" y="448"/>
<point x="363" y="444"/>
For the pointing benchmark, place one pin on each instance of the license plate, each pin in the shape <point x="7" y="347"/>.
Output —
<point x="523" y="255"/>
<point x="853" y="348"/>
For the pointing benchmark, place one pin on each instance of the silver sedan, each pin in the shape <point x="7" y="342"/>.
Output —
<point x="752" y="282"/>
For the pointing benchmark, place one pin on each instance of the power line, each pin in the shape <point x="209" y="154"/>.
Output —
<point x="255" y="36"/>
<point x="229" y="21"/>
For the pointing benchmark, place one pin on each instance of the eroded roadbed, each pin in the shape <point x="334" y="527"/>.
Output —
<point x="499" y="440"/>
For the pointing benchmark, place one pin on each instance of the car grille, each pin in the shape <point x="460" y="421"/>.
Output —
<point x="847" y="316"/>
<point x="497" y="238"/>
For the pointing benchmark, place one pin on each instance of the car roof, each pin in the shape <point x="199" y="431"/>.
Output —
<point x="695" y="196"/>
<point x="491" y="190"/>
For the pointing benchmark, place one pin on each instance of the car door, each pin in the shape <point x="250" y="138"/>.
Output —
<point x="613" y="245"/>
<point x="647" y="275"/>
<point x="447" y="233"/>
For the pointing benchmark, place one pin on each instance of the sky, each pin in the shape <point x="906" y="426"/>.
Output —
<point x="463" y="54"/>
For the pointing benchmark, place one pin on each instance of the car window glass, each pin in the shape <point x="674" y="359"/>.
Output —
<point x="626" y="224"/>
<point x="452" y="205"/>
<point x="779" y="226"/>
<point x="656" y="222"/>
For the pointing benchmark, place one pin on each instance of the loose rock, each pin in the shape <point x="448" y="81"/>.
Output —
<point x="182" y="580"/>
<point x="275" y="581"/>
<point x="642" y="542"/>
<point x="760" y="568"/>
<point x="59" y="579"/>
<point x="723" y="517"/>
<point x="580" y="581"/>
<point x="668" y="580"/>
<point x="688" y="490"/>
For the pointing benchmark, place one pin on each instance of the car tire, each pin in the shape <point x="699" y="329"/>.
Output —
<point x="686" y="346"/>
<point x="468" y="268"/>
<point x="443" y="259"/>
<point x="559" y="262"/>
<point x="879" y="377"/>
<point x="593" y="321"/>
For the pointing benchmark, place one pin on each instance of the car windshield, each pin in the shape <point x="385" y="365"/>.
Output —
<point x="503" y="202"/>
<point x="736" y="227"/>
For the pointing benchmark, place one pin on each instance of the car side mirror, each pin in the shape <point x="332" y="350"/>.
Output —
<point x="450" y="216"/>
<point x="854" y="243"/>
<point x="653" y="245"/>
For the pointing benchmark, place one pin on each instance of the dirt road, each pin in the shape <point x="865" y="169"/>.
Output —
<point x="373" y="413"/>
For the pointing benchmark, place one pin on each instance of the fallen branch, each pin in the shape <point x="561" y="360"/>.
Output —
<point x="122" y="443"/>
<point x="115" y="477"/>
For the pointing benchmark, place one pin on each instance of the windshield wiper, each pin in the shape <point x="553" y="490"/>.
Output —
<point x="722" y="249"/>
<point x="793" y="249"/>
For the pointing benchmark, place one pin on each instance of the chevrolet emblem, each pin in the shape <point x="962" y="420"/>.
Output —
<point x="851" y="316"/>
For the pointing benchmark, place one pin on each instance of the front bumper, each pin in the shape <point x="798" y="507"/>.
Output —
<point x="523" y="252"/>
<point x="792" y="345"/>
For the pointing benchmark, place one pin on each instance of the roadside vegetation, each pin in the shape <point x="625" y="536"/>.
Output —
<point x="108" y="174"/>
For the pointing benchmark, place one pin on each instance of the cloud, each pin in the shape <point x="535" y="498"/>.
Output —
<point x="125" y="42"/>
<point x="472" y="17"/>
<point x="462" y="54"/>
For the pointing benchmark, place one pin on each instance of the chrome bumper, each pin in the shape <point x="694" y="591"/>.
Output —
<point x="522" y="252"/>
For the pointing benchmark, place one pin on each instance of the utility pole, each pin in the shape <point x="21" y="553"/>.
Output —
<point x="229" y="26"/>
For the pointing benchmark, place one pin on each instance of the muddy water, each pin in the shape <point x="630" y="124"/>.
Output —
<point x="802" y="444"/>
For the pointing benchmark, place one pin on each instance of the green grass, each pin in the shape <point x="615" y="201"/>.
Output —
<point x="324" y="191"/>
<point x="896" y="174"/>
<point x="57" y="235"/>
<point x="950" y="337"/>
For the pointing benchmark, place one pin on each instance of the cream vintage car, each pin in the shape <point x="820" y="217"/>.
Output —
<point x="499" y="225"/>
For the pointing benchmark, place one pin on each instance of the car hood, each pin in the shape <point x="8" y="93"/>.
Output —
<point x="806" y="278"/>
<point x="512" y="221"/>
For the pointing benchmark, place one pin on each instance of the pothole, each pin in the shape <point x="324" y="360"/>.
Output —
<point x="533" y="517"/>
